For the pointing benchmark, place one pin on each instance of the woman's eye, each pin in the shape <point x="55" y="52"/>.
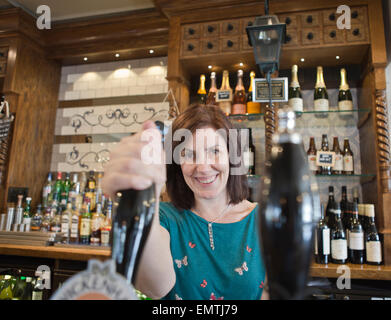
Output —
<point x="187" y="154"/>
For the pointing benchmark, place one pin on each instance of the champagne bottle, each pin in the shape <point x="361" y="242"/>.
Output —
<point x="201" y="90"/>
<point x="239" y="101"/>
<point x="356" y="238"/>
<point x="330" y="218"/>
<point x="321" y="98"/>
<point x="311" y="155"/>
<point x="211" y="99"/>
<point x="225" y="105"/>
<point x="252" y="107"/>
<point x="134" y="210"/>
<point x="322" y="235"/>
<point x="249" y="154"/>
<point x="348" y="162"/>
<point x="338" y="165"/>
<point x="339" y="252"/>
<point x="372" y="240"/>
<point x="345" y="101"/>
<point x="325" y="169"/>
<point x="287" y="213"/>
<point x="295" y="99"/>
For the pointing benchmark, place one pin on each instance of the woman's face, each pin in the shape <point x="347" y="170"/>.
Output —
<point x="205" y="164"/>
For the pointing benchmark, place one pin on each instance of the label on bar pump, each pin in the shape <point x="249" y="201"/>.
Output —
<point x="99" y="282"/>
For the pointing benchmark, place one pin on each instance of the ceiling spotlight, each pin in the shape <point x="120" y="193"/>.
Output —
<point x="85" y="58"/>
<point x="302" y="59"/>
<point x="241" y="64"/>
<point x="117" y="55"/>
<point x="151" y="51"/>
<point x="210" y="67"/>
<point x="337" y="57"/>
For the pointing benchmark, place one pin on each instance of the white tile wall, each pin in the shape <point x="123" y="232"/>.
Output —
<point x="103" y="80"/>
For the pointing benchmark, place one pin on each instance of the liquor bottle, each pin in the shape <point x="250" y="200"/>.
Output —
<point x="287" y="223"/>
<point x="66" y="186"/>
<point x="83" y="183"/>
<point x="322" y="235"/>
<point x="321" y="98"/>
<point x="339" y="250"/>
<point x="55" y="225"/>
<point x="46" y="221"/>
<point x="356" y="238"/>
<point x="345" y="101"/>
<point x="47" y="192"/>
<point x="372" y="239"/>
<point x="6" y="289"/>
<point x="106" y="227"/>
<point x="330" y="218"/>
<point x="239" y="100"/>
<point x="36" y="220"/>
<point x="252" y="107"/>
<point x="74" y="232"/>
<point x="89" y="192"/>
<point x="27" y="215"/>
<point x="99" y="191"/>
<point x="311" y="155"/>
<point x="295" y="99"/>
<point x="19" y="210"/>
<point x="361" y="214"/>
<point x="211" y="98"/>
<point x="325" y="169"/>
<point x="28" y="291"/>
<point x="201" y="93"/>
<point x="348" y="163"/>
<point x="85" y="223"/>
<point x="65" y="223"/>
<point x="338" y="165"/>
<point x="249" y="154"/>
<point x="17" y="292"/>
<point x="225" y="106"/>
<point x="344" y="206"/>
<point x="96" y="222"/>
<point x="37" y="293"/>
<point x="57" y="189"/>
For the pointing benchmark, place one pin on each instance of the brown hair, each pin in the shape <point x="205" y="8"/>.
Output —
<point x="195" y="117"/>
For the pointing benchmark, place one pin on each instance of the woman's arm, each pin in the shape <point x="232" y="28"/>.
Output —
<point x="156" y="276"/>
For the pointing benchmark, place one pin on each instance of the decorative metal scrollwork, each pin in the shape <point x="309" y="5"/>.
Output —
<point x="74" y="157"/>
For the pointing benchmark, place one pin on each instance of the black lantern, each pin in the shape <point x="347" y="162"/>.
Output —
<point x="266" y="36"/>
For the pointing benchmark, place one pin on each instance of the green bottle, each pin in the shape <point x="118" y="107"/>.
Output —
<point x="57" y="189"/>
<point x="6" y="291"/>
<point x="20" y="286"/>
<point x="345" y="100"/>
<point x="66" y="187"/>
<point x="321" y="98"/>
<point x="85" y="223"/>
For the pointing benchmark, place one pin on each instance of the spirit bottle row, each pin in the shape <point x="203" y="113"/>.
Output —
<point x="336" y="161"/>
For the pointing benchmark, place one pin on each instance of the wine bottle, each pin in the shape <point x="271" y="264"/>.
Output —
<point x="211" y="98"/>
<point x="330" y="219"/>
<point x="345" y="101"/>
<point x="225" y="106"/>
<point x="311" y="156"/>
<point x="338" y="165"/>
<point x="322" y="235"/>
<point x="372" y="239"/>
<point x="321" y="98"/>
<point x="133" y="215"/>
<point x="344" y="205"/>
<point x="294" y="94"/>
<point x="361" y="214"/>
<point x="201" y="93"/>
<point x="249" y="154"/>
<point x="325" y="169"/>
<point x="356" y="238"/>
<point x="239" y="101"/>
<point x="252" y="107"/>
<point x="348" y="163"/>
<point x="339" y="251"/>
<point x="287" y="213"/>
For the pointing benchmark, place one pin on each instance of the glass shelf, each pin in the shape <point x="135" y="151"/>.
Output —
<point x="307" y="119"/>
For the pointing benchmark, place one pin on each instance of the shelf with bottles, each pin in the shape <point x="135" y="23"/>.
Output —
<point x="15" y="286"/>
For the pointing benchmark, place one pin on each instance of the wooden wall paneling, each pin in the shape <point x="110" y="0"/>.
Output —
<point x="37" y="83"/>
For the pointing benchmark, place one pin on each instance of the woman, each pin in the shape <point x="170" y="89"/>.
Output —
<point x="204" y="244"/>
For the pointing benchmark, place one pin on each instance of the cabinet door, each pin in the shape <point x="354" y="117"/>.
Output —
<point x="209" y="46"/>
<point x="292" y="38"/>
<point x="191" y="31"/>
<point x="210" y="30"/>
<point x="247" y="22"/>
<point x="229" y="27"/>
<point x="229" y="44"/>
<point x="289" y="19"/>
<point x="311" y="36"/>
<point x="332" y="34"/>
<point x="3" y="53"/>
<point x="190" y="48"/>
<point x="358" y="32"/>
<point x="310" y="19"/>
<point x="330" y="17"/>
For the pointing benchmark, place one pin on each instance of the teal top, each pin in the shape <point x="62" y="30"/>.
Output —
<point x="234" y="270"/>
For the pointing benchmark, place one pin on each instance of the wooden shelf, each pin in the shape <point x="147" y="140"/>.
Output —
<point x="364" y="271"/>
<point x="52" y="252"/>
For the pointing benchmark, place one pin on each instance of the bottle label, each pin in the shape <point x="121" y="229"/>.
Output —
<point x="321" y="105"/>
<point x="55" y="228"/>
<point x="65" y="228"/>
<point x="85" y="227"/>
<point x="348" y="163"/>
<point x="238" y="109"/>
<point x="248" y="158"/>
<point x="37" y="295"/>
<point x="339" y="250"/>
<point x="326" y="241"/>
<point x="373" y="251"/>
<point x="95" y="224"/>
<point x="253" y="107"/>
<point x="105" y="237"/>
<point x="296" y="104"/>
<point x="74" y="228"/>
<point x="338" y="165"/>
<point x="312" y="162"/>
<point x="345" y="105"/>
<point x="356" y="240"/>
